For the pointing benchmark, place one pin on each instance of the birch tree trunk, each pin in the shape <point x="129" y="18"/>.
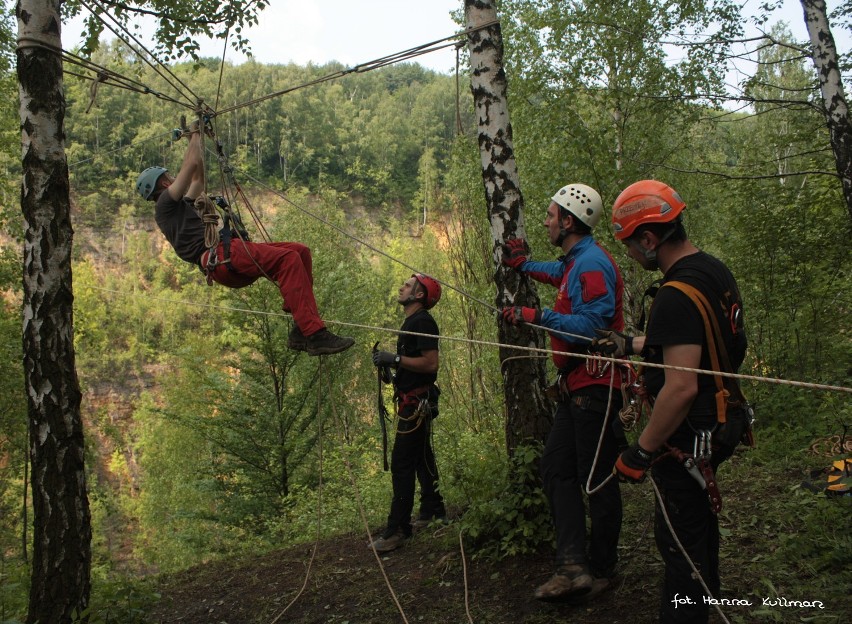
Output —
<point x="62" y="522"/>
<point x="528" y="411"/>
<point x="824" y="54"/>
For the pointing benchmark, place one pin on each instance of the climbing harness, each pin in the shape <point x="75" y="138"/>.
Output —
<point x="425" y="400"/>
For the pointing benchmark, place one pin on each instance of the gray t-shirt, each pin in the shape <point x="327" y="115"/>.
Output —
<point x="182" y="227"/>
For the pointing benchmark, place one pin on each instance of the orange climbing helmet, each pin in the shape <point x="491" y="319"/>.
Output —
<point x="646" y="201"/>
<point x="432" y="288"/>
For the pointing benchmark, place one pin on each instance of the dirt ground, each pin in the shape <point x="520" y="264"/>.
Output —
<point x="429" y="578"/>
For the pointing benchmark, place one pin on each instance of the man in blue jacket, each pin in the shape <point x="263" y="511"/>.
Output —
<point x="589" y="296"/>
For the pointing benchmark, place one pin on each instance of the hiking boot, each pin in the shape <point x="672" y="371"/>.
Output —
<point x="570" y="581"/>
<point x="296" y="340"/>
<point x="421" y="522"/>
<point x="387" y="543"/>
<point x="599" y="585"/>
<point x="325" y="343"/>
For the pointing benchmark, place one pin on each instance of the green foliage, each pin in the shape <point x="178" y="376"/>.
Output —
<point x="365" y="133"/>
<point x="513" y="517"/>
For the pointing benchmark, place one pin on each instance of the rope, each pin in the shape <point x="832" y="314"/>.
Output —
<point x="375" y="249"/>
<point x="210" y="218"/>
<point x="180" y="83"/>
<point x="396" y="57"/>
<point x="488" y="343"/>
<point x="683" y="551"/>
<point x="464" y="575"/>
<point x="118" y="149"/>
<point x="102" y="73"/>
<point x="363" y="514"/>
<point x="319" y="497"/>
<point x="589" y="492"/>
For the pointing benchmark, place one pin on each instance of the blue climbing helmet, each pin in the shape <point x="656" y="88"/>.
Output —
<point x="147" y="181"/>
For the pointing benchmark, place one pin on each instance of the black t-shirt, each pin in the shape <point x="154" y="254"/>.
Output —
<point x="674" y="320"/>
<point x="420" y="322"/>
<point x="182" y="226"/>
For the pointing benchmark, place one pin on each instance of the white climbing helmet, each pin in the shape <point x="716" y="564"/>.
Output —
<point x="582" y="201"/>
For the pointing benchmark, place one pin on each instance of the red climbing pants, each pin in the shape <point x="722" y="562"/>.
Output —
<point x="289" y="265"/>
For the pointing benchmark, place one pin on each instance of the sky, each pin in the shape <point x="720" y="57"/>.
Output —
<point x="355" y="31"/>
<point x="348" y="31"/>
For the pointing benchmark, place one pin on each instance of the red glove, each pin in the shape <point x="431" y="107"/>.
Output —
<point x="632" y="465"/>
<point x="516" y="315"/>
<point x="515" y="253"/>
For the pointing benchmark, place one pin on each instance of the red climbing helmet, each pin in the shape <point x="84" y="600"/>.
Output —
<point x="646" y="201"/>
<point x="432" y="288"/>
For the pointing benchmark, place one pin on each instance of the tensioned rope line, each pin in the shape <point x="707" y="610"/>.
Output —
<point x="141" y="46"/>
<point x="488" y="343"/>
<point x="103" y="74"/>
<point x="76" y="59"/>
<point x="168" y="71"/>
<point x="120" y="148"/>
<point x="398" y="261"/>
<point x="101" y="78"/>
<point x="396" y="57"/>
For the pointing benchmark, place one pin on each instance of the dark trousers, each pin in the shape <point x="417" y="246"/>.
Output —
<point x="412" y="458"/>
<point x="565" y="467"/>
<point x="697" y="529"/>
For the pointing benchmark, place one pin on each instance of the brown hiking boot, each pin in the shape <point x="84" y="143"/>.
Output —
<point x="599" y="585"/>
<point x="388" y="543"/>
<point x="296" y="340"/>
<point x="570" y="581"/>
<point x="325" y="343"/>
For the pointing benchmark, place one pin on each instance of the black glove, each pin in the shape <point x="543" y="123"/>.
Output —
<point x="515" y="252"/>
<point x="632" y="464"/>
<point x="386" y="358"/>
<point x="611" y="342"/>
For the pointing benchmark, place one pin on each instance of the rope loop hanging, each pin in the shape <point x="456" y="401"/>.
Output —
<point x="210" y="217"/>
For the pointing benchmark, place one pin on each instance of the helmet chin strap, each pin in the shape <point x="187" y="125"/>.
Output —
<point x="651" y="257"/>
<point x="412" y="297"/>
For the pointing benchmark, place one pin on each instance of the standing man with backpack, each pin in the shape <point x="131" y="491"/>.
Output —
<point x="415" y="371"/>
<point x="695" y="321"/>
<point x="241" y="262"/>
<point x="589" y="295"/>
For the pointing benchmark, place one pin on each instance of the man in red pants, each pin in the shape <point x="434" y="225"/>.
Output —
<point x="286" y="264"/>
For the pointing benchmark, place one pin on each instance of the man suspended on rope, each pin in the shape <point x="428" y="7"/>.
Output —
<point x="415" y="366"/>
<point x="286" y="264"/>
<point x="590" y="293"/>
<point x="688" y="408"/>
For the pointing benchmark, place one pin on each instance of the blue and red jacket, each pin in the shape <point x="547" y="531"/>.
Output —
<point x="589" y="297"/>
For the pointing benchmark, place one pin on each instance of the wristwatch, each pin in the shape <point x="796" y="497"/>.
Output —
<point x="396" y="361"/>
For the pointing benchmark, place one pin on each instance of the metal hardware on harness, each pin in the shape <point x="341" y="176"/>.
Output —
<point x="692" y="469"/>
<point x="703" y="445"/>
<point x="630" y="414"/>
<point x="703" y="452"/>
<point x="699" y="468"/>
<point x="597" y="368"/>
<point x="212" y="262"/>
